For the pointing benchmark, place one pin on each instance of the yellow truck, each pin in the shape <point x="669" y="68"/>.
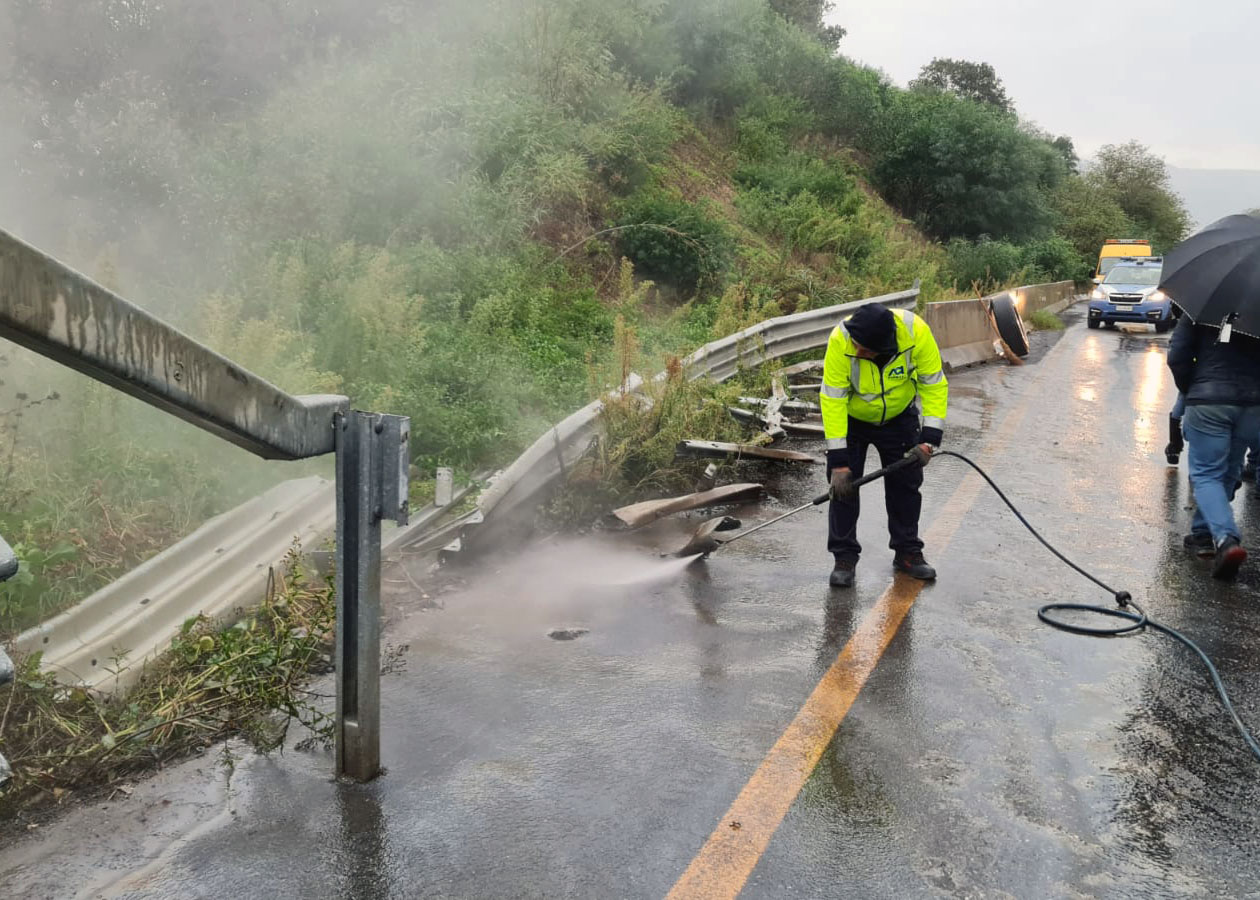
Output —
<point x="1116" y="249"/>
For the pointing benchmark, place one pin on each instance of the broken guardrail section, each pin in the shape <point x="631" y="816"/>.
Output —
<point x="509" y="501"/>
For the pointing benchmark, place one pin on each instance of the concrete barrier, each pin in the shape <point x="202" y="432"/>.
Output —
<point x="963" y="331"/>
<point x="1055" y="297"/>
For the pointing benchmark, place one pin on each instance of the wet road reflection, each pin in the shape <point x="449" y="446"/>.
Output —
<point x="1001" y="755"/>
<point x="985" y="756"/>
<point x="362" y="852"/>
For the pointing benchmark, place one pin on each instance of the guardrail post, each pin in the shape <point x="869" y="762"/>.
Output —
<point x="372" y="484"/>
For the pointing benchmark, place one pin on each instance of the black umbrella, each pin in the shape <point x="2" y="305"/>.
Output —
<point x="1214" y="275"/>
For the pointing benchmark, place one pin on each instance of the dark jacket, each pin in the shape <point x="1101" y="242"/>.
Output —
<point x="1207" y="371"/>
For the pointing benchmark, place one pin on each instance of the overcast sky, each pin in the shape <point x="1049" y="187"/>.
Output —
<point x="1182" y="76"/>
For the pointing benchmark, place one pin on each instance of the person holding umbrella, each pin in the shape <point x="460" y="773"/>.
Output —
<point x="1214" y="355"/>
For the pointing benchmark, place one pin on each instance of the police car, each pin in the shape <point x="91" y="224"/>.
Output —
<point x="1129" y="292"/>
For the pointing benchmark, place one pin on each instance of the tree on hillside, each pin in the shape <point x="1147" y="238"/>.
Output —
<point x="1137" y="181"/>
<point x="811" y="16"/>
<point x="969" y="80"/>
<point x="1067" y="149"/>
<point x="1088" y="215"/>
<point x="964" y="169"/>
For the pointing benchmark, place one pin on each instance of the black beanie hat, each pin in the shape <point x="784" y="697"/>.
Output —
<point x="873" y="327"/>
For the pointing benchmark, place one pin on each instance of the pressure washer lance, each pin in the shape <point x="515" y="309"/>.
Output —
<point x="1134" y="617"/>
<point x="703" y="542"/>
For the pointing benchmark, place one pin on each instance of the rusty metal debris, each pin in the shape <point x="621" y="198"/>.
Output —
<point x="790" y="407"/>
<point x="704" y="541"/>
<point x="724" y="450"/>
<point x="801" y="368"/>
<point x="777" y="426"/>
<point x="639" y="514"/>
<point x="804" y="429"/>
<point x="809" y="387"/>
<point x="773" y="428"/>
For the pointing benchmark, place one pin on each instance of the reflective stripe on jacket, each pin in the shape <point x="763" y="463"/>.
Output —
<point x="861" y="389"/>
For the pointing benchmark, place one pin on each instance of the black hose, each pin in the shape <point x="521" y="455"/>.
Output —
<point x="1127" y="611"/>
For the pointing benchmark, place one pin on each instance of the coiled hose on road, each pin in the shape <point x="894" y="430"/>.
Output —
<point x="1133" y="615"/>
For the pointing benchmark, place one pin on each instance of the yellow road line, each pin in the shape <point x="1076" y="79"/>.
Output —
<point x="728" y="857"/>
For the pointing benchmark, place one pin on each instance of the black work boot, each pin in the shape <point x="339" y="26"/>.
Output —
<point x="1200" y="543"/>
<point x="842" y="574"/>
<point x="1229" y="557"/>
<point x="914" y="565"/>
<point x="1176" y="442"/>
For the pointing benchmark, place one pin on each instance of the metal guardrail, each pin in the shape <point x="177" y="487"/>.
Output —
<point x="104" y="642"/>
<point x="53" y="310"/>
<point x="549" y="459"/>
<point x="779" y="337"/>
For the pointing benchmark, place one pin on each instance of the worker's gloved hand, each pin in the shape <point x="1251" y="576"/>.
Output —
<point x="921" y="452"/>
<point x="841" y="484"/>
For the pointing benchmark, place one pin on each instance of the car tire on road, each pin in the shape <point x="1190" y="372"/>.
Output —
<point x="1093" y="323"/>
<point x="1009" y="324"/>
<point x="1164" y="326"/>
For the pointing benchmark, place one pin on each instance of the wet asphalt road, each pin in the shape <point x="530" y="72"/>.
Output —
<point x="987" y="755"/>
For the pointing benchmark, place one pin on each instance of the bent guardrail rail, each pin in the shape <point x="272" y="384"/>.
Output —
<point x="547" y="461"/>
<point x="103" y="642"/>
<point x="56" y="312"/>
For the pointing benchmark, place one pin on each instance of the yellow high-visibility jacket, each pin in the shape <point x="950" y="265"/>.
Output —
<point x="859" y="388"/>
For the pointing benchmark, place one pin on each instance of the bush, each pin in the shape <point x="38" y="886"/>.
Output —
<point x="1054" y="259"/>
<point x="961" y="169"/>
<point x="1044" y="320"/>
<point x="674" y="242"/>
<point x="791" y="173"/>
<point x="213" y="682"/>
<point x="851" y="101"/>
<point x="993" y="264"/>
<point x="989" y="264"/>
<point x="805" y="224"/>
<point x="1088" y="215"/>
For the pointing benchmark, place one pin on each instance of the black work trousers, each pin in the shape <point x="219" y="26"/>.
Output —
<point x="901" y="489"/>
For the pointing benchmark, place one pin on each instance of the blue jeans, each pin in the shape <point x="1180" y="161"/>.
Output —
<point x="1219" y="436"/>
<point x="1179" y="408"/>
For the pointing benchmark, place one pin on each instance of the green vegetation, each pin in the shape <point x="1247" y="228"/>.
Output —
<point x="977" y="82"/>
<point x="464" y="213"/>
<point x="91" y="485"/>
<point x="249" y="680"/>
<point x="1044" y="320"/>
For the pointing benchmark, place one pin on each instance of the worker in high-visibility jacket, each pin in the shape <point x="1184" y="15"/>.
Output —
<point x="880" y="365"/>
